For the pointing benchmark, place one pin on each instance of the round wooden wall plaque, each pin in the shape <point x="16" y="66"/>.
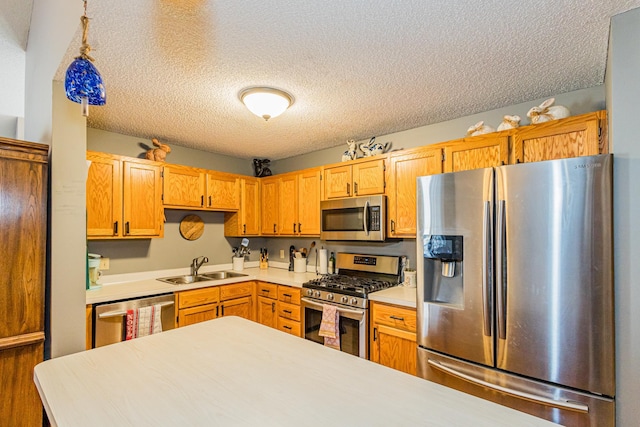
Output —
<point x="191" y="227"/>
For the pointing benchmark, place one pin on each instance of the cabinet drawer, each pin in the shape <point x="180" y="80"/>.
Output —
<point x="197" y="297"/>
<point x="289" y="311"/>
<point x="268" y="290"/>
<point x="396" y="317"/>
<point x="289" y="294"/>
<point x="289" y="326"/>
<point x="238" y="290"/>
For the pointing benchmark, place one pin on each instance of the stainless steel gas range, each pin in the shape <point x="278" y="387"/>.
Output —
<point x="358" y="276"/>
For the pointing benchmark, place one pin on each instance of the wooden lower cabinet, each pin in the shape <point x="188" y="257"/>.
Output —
<point x="393" y="337"/>
<point x="278" y="307"/>
<point x="199" y="305"/>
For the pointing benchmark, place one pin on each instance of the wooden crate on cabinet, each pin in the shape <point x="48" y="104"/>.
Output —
<point x="405" y="167"/>
<point x="476" y="152"/>
<point x="393" y="337"/>
<point x="362" y="177"/>
<point x="575" y="136"/>
<point x="246" y="221"/>
<point x="124" y="197"/>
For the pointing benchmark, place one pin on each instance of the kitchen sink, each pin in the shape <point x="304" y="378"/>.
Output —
<point x="219" y="275"/>
<point x="183" y="280"/>
<point x="187" y="279"/>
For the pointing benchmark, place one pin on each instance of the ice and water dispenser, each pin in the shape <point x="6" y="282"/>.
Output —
<point x="443" y="269"/>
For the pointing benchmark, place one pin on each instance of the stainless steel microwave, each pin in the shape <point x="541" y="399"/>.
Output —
<point x="356" y="218"/>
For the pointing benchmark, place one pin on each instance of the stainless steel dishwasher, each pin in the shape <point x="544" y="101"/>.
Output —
<point x="110" y="318"/>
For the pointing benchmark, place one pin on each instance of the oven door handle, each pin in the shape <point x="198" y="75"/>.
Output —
<point x="340" y="309"/>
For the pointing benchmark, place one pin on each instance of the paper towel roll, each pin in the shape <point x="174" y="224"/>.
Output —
<point x="322" y="261"/>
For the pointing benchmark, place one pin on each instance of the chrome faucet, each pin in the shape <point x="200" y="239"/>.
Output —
<point x="195" y="264"/>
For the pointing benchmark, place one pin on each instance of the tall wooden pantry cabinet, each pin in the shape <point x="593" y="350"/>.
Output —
<point x="23" y="234"/>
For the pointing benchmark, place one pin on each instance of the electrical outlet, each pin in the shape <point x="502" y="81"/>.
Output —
<point x="281" y="253"/>
<point x="104" y="263"/>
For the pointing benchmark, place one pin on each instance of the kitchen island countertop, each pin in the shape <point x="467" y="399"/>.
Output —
<point x="231" y="371"/>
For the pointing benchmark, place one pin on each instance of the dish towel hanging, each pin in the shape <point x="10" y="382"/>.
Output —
<point x="143" y="321"/>
<point x="330" y="326"/>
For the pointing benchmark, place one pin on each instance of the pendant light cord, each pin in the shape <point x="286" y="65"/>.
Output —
<point x="85" y="48"/>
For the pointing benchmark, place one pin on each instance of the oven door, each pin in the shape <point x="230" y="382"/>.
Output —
<point x="353" y="326"/>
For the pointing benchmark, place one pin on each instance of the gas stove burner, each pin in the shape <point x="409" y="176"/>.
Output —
<point x="348" y="285"/>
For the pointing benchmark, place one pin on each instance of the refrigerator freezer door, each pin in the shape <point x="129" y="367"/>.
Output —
<point x="560" y="405"/>
<point x="455" y="296"/>
<point x="554" y="272"/>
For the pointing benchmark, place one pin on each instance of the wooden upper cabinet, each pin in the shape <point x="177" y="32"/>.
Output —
<point x="142" y="200"/>
<point x="582" y="135"/>
<point x="309" y="186"/>
<point x="288" y="204"/>
<point x="104" y="196"/>
<point x="476" y="152"/>
<point x="124" y="197"/>
<point x="184" y="187"/>
<point x="269" y="205"/>
<point x="405" y="168"/>
<point x="246" y="220"/>
<point x="361" y="178"/>
<point x="223" y="191"/>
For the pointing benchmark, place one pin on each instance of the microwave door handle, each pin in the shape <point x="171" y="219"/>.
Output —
<point x="366" y="217"/>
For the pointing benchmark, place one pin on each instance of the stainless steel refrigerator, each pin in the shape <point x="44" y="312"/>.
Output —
<point x="515" y="286"/>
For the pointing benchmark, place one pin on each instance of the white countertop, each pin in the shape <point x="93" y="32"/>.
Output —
<point x="398" y="295"/>
<point x="234" y="372"/>
<point x="145" y="284"/>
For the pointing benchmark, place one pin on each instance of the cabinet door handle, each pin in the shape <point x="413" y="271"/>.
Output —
<point x="287" y="311"/>
<point x="375" y="334"/>
<point x="294" y="227"/>
<point x="286" y="327"/>
<point x="348" y="189"/>
<point x="273" y="307"/>
<point x="126" y="227"/>
<point x="300" y="229"/>
<point x="397" y="318"/>
<point x="393" y="226"/>
<point x="209" y="200"/>
<point x="222" y="311"/>
<point x="355" y="188"/>
<point x="274" y="228"/>
<point x="202" y="200"/>
<point x="244" y="228"/>
<point x="217" y="310"/>
<point x="287" y="295"/>
<point x="115" y="227"/>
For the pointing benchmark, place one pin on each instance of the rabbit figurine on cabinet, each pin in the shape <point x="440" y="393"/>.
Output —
<point x="350" y="154"/>
<point x="373" y="148"/>
<point x="509" y="122"/>
<point x="547" y="112"/>
<point x="158" y="154"/>
<point x="479" y="129"/>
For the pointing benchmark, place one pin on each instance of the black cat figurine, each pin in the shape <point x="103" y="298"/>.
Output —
<point x="261" y="167"/>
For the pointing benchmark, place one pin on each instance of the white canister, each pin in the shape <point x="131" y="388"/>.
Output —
<point x="238" y="263"/>
<point x="410" y="278"/>
<point x="299" y="265"/>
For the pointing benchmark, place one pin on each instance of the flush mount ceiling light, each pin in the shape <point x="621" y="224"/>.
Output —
<point x="83" y="83"/>
<point x="266" y="102"/>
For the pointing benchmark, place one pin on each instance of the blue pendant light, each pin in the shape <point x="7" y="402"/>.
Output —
<point x="83" y="83"/>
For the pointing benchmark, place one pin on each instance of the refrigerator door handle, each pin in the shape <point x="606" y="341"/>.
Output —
<point x="486" y="276"/>
<point x="565" y="404"/>
<point x="501" y="258"/>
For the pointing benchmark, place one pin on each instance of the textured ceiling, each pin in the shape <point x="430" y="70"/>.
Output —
<point x="173" y="68"/>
